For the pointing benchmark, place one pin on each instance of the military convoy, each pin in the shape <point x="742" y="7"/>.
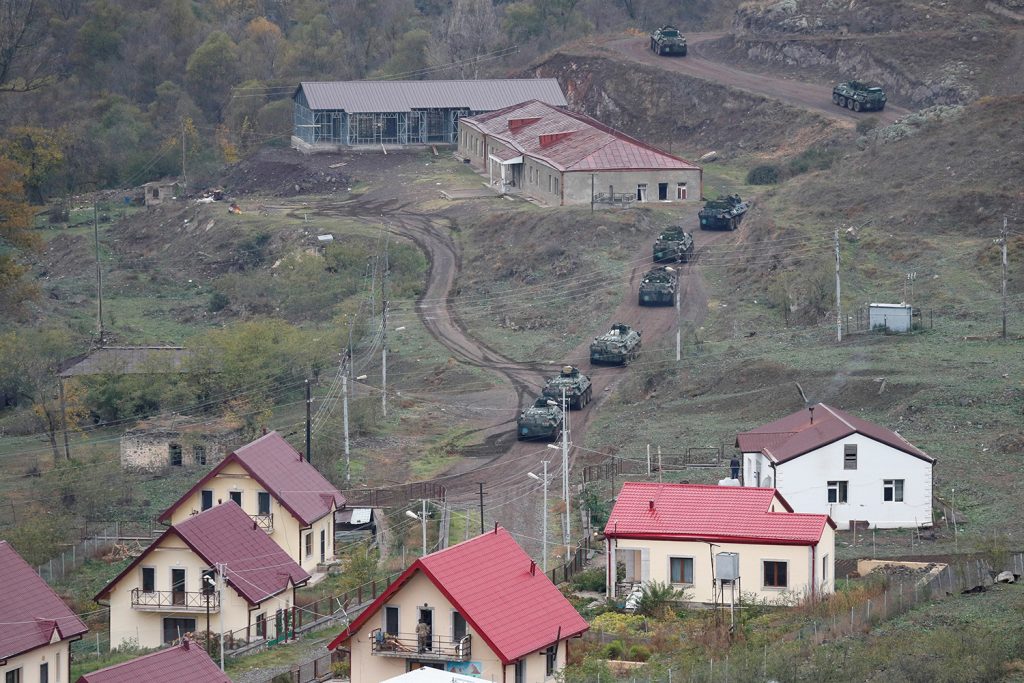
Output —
<point x="578" y="389"/>
<point x="618" y="346"/>
<point x="673" y="244"/>
<point x="543" y="420"/>
<point x="858" y="96"/>
<point x="659" y="287"/>
<point x="667" y="40"/>
<point x="724" y="213"/>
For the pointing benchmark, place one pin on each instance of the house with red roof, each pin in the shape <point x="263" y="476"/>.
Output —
<point x="36" y="627"/>
<point x="490" y="612"/>
<point x="695" y="537"/>
<point x="560" y="157"/>
<point x="187" y="661"/>
<point x="218" y="562"/>
<point x="285" y="495"/>
<point x="828" y="461"/>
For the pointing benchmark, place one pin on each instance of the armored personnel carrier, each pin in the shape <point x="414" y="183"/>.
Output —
<point x="542" y="420"/>
<point x="617" y="346"/>
<point x="858" y="96"/>
<point x="724" y="213"/>
<point x="578" y="390"/>
<point x="673" y="244"/>
<point x="659" y="286"/>
<point x="667" y="40"/>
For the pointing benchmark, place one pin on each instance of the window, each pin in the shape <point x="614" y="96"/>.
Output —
<point x="309" y="544"/>
<point x="206" y="499"/>
<point x="775" y="574"/>
<point x="680" y="190"/>
<point x="263" y="503"/>
<point x="520" y="676"/>
<point x="261" y="625"/>
<point x="680" y="569"/>
<point x="236" y="496"/>
<point x="641" y="192"/>
<point x="662" y="191"/>
<point x="174" y="450"/>
<point x="556" y="185"/>
<point x="209" y="581"/>
<point x="837" y="492"/>
<point x="148" y="579"/>
<point x="176" y="628"/>
<point x="391" y="620"/>
<point x="850" y="456"/>
<point x="44" y="672"/>
<point x="824" y="570"/>
<point x="199" y="455"/>
<point x="13" y="676"/>
<point x="550" y="659"/>
<point x="458" y="626"/>
<point x="892" y="490"/>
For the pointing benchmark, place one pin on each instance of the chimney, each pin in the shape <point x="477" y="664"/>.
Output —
<point x="533" y="568"/>
<point x="264" y="430"/>
<point x="495" y="528"/>
<point x="254" y="527"/>
<point x="516" y="124"/>
<point x="811" y="408"/>
<point x="650" y="505"/>
<point x="185" y="642"/>
<point x="549" y="139"/>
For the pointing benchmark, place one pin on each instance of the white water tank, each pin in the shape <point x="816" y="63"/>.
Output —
<point x="727" y="566"/>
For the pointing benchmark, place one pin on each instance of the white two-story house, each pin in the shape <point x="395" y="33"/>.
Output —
<point x="828" y="461"/>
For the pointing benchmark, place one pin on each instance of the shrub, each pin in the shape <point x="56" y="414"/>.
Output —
<point x="218" y="302"/>
<point x="589" y="580"/>
<point x="867" y="125"/>
<point x="656" y="598"/>
<point x="616" y="622"/>
<point x="639" y="653"/>
<point x="766" y="174"/>
<point x="615" y="650"/>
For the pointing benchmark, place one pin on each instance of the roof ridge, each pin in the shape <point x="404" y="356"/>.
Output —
<point x="837" y="416"/>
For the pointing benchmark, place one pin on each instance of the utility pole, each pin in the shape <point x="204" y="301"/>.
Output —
<point x="63" y="418"/>
<point x="222" y="570"/>
<point x="344" y="412"/>
<point x="384" y="361"/>
<point x="839" y="304"/>
<point x="679" y="324"/>
<point x="99" y="275"/>
<point x="565" y="472"/>
<point x="544" y="480"/>
<point x="309" y="403"/>
<point x="481" y="484"/>
<point x="1003" y="237"/>
<point x="184" y="180"/>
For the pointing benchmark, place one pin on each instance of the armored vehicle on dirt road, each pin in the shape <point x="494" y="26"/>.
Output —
<point x="542" y="420"/>
<point x="578" y="390"/>
<point x="667" y="40"/>
<point x="724" y="213"/>
<point x="659" y="286"/>
<point x="617" y="346"/>
<point x="858" y="96"/>
<point x="673" y="245"/>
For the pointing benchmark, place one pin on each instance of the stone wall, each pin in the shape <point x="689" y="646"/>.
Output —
<point x="151" y="452"/>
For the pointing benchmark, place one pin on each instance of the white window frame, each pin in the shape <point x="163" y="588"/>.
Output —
<point x="641" y="192"/>
<point x="896" y="486"/>
<point x="692" y="568"/>
<point x="681" y="192"/>
<point x="764" y="585"/>
<point x="840" y="487"/>
<point x="307" y="544"/>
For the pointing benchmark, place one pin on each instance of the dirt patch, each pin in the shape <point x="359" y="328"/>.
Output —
<point x="288" y="173"/>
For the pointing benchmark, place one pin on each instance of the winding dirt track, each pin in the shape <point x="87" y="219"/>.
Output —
<point x="810" y="96"/>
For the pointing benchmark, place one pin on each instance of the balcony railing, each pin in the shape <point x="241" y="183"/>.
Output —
<point x="407" y="645"/>
<point x="174" y="601"/>
<point x="265" y="522"/>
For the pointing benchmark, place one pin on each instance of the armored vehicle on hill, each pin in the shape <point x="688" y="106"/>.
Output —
<point x="542" y="420"/>
<point x="673" y="244"/>
<point x="667" y="40"/>
<point x="659" y="286"/>
<point x="858" y="96"/>
<point x="578" y="390"/>
<point x="617" y="346"/>
<point x="724" y="213"/>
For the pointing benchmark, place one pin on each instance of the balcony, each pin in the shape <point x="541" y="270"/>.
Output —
<point x="406" y="645"/>
<point x="265" y="522"/>
<point x="174" y="601"/>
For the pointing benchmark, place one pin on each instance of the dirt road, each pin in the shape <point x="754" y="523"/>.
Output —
<point x="816" y="97"/>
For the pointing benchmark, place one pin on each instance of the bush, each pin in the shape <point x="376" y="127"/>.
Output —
<point x="765" y="174"/>
<point x="589" y="580"/>
<point x="218" y="302"/>
<point x="616" y="622"/>
<point x="812" y="159"/>
<point x="639" y="653"/>
<point x="615" y="650"/>
<point x="867" y="125"/>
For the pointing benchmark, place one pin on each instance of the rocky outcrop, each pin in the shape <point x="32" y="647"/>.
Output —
<point x="842" y="17"/>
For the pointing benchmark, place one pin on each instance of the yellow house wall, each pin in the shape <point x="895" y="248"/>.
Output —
<point x="57" y="655"/>
<point x="287" y="529"/>
<point x="419" y="590"/>
<point x="128" y="624"/>
<point x="798" y="559"/>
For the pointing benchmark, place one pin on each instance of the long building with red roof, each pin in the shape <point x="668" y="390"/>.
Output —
<point x="186" y="661"/>
<point x="560" y="157"/>
<point x="830" y="461"/>
<point x="491" y="613"/>
<point x="674" y="534"/>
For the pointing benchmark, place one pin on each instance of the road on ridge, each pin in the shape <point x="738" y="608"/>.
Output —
<point x="810" y="96"/>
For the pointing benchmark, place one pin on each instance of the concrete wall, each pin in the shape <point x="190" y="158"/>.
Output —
<point x="419" y="590"/>
<point x="473" y="146"/>
<point x="150" y="452"/>
<point x="803" y="482"/>
<point x="578" y="185"/>
<point x="287" y="532"/>
<point x="648" y="560"/>
<point x="57" y="657"/>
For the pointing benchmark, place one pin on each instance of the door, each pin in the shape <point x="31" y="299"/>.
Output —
<point x="178" y="586"/>
<point x="427" y="617"/>
<point x="663" y="192"/>
<point x="263" y="503"/>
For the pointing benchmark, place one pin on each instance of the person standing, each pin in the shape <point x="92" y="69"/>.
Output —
<point x="423" y="635"/>
<point x="734" y="465"/>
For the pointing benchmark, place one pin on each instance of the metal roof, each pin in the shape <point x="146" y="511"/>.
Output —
<point x="392" y="96"/>
<point x="185" y="662"/>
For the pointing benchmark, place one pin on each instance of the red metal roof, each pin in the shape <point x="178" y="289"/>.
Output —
<point x="29" y="609"/>
<point x="257" y="567"/>
<point x="284" y="474"/>
<point x="488" y="580"/>
<point x="590" y="145"/>
<point x="185" y="662"/>
<point x="702" y="512"/>
<point x="796" y="434"/>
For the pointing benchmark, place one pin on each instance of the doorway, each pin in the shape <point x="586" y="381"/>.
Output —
<point x="641" y="192"/>
<point x="427" y="617"/>
<point x="662" y="192"/>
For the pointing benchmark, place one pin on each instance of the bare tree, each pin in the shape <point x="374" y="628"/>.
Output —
<point x="470" y="31"/>
<point x="24" y="66"/>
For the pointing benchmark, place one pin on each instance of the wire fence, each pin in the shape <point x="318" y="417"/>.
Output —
<point x="94" y="542"/>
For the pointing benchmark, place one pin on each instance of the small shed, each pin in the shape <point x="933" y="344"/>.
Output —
<point x="158" y="191"/>
<point x="155" y="445"/>
<point x="890" y="317"/>
<point x="352" y="523"/>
